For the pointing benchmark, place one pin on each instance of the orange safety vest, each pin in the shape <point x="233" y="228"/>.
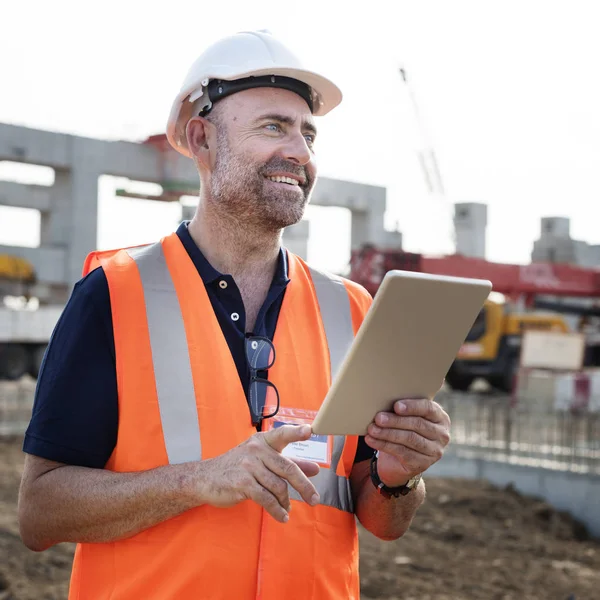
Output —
<point x="180" y="399"/>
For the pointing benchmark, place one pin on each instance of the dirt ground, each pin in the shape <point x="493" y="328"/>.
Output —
<point x="468" y="541"/>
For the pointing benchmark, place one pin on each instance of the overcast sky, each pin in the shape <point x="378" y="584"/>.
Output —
<point x="508" y="91"/>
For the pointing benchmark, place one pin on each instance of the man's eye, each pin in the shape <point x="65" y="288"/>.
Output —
<point x="273" y="127"/>
<point x="310" y="138"/>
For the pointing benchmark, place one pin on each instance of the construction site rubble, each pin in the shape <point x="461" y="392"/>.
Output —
<point x="470" y="541"/>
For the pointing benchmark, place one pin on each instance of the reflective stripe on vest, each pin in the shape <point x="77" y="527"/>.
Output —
<point x="334" y="304"/>
<point x="173" y="372"/>
<point x="172" y="369"/>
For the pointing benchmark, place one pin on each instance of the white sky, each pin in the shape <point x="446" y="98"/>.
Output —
<point x="509" y="93"/>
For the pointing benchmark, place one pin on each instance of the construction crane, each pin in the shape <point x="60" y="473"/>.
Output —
<point x="428" y="160"/>
<point x="426" y="153"/>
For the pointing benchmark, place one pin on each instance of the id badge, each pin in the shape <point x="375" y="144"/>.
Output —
<point x="316" y="449"/>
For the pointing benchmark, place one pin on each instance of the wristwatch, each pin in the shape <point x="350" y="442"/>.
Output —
<point x="389" y="492"/>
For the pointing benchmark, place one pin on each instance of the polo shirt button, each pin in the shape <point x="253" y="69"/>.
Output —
<point x="222" y="284"/>
<point x="235" y="317"/>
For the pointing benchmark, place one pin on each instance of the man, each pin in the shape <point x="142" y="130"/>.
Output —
<point x="164" y="437"/>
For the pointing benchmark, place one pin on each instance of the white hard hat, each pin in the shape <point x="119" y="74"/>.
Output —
<point x="249" y="59"/>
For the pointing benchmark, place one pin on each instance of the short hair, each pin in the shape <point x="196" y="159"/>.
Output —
<point x="215" y="116"/>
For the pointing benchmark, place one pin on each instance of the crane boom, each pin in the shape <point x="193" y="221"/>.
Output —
<point x="427" y="158"/>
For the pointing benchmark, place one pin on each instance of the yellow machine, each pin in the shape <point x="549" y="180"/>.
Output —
<point x="24" y="334"/>
<point x="16" y="269"/>
<point x="492" y="347"/>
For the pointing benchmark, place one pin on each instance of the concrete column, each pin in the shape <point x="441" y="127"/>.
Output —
<point x="83" y="234"/>
<point x="470" y="223"/>
<point x="359" y="231"/>
<point x="367" y="223"/>
<point x="54" y="225"/>
<point x="555" y="244"/>
<point x="368" y="228"/>
<point x="555" y="227"/>
<point x="72" y="222"/>
<point x="392" y="240"/>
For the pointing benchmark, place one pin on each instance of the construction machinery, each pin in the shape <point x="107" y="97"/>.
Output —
<point x="25" y="328"/>
<point x="543" y="296"/>
<point x="16" y="275"/>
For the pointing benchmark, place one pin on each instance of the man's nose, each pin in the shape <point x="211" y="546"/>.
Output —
<point x="297" y="150"/>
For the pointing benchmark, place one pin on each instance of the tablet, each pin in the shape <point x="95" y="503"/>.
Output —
<point x="403" y="349"/>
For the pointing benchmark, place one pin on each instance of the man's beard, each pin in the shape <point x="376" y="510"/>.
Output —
<point x="240" y="189"/>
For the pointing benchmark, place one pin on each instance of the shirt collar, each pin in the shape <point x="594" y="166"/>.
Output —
<point x="209" y="274"/>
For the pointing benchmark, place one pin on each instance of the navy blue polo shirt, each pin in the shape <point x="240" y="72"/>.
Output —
<point x="75" y="411"/>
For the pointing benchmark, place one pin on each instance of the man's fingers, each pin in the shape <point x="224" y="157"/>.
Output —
<point x="309" y="468"/>
<point x="290" y="471"/>
<point x="277" y="486"/>
<point x="269" y="502"/>
<point x="420" y="407"/>
<point x="405" y="439"/>
<point x="428" y="429"/>
<point x="279" y="437"/>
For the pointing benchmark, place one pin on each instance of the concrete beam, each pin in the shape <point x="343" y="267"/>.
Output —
<point x="121" y="159"/>
<point x="33" y="146"/>
<point x="25" y="196"/>
<point x="358" y="197"/>
<point x="48" y="262"/>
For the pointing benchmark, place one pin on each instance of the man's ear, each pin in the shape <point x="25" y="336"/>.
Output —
<point x="198" y="133"/>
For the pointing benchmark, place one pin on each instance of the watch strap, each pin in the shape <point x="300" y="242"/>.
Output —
<point x="390" y="492"/>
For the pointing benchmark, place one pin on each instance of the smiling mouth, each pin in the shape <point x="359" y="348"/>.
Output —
<point x="287" y="180"/>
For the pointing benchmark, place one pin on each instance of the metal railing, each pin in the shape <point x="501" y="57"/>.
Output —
<point x="16" y="401"/>
<point x="483" y="426"/>
<point x="527" y="433"/>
